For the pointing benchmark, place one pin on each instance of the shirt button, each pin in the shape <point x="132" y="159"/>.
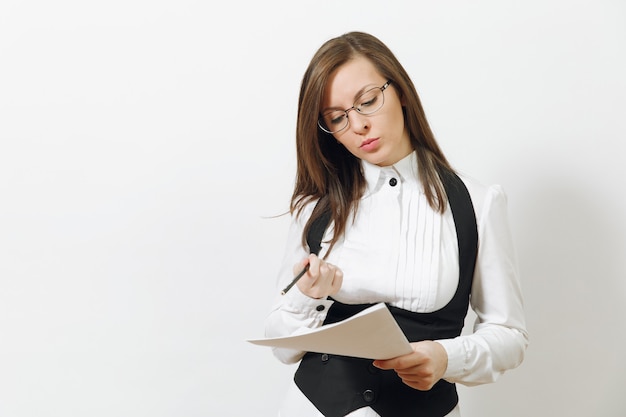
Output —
<point x="368" y="395"/>
<point x="325" y="357"/>
<point x="320" y="308"/>
<point x="393" y="182"/>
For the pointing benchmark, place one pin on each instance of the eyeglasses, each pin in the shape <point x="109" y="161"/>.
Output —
<point x="369" y="102"/>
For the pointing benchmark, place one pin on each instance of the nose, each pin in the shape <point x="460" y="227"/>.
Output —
<point x="358" y="122"/>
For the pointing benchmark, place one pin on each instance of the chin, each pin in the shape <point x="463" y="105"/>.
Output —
<point x="380" y="161"/>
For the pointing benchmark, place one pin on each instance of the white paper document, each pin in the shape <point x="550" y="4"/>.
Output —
<point x="372" y="334"/>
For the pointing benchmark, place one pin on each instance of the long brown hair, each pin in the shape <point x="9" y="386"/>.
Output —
<point x="326" y="170"/>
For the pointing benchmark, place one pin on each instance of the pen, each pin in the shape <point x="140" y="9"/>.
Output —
<point x="293" y="282"/>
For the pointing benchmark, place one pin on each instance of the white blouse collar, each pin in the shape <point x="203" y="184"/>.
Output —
<point x="375" y="175"/>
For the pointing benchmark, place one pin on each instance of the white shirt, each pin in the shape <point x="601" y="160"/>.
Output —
<point x="400" y="251"/>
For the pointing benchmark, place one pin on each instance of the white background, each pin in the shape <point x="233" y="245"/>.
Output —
<point x="145" y="144"/>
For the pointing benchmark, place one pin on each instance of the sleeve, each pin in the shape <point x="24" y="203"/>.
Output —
<point x="294" y="311"/>
<point x="499" y="339"/>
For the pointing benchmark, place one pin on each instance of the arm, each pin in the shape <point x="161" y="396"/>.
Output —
<point x="499" y="339"/>
<point x="305" y="304"/>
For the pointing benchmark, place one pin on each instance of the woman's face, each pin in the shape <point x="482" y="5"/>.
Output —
<point x="379" y="138"/>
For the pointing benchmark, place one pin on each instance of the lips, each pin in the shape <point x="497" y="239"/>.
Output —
<point x="369" y="144"/>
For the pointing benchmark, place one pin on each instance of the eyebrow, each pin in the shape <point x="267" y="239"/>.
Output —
<point x="356" y="95"/>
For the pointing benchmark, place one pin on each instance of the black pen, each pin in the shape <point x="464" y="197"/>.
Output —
<point x="293" y="282"/>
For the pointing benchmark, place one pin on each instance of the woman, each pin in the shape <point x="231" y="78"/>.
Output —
<point x="399" y="227"/>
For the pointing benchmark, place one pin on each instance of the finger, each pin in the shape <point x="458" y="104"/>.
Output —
<point x="400" y="362"/>
<point x="327" y="269"/>
<point x="384" y="364"/>
<point x="420" y="379"/>
<point x="325" y="278"/>
<point x="337" y="282"/>
<point x="297" y="268"/>
<point x="314" y="265"/>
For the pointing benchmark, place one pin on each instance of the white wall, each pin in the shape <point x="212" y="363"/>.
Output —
<point x="143" y="144"/>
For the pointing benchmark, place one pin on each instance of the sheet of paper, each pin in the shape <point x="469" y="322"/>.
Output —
<point x="371" y="334"/>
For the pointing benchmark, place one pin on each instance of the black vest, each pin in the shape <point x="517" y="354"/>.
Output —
<point x="338" y="385"/>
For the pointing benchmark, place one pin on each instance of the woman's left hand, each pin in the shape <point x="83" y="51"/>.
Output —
<point x="420" y="369"/>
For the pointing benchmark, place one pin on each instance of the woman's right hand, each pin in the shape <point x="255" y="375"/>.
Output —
<point x="321" y="280"/>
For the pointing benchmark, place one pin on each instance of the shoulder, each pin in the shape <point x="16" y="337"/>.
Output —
<point x="484" y="197"/>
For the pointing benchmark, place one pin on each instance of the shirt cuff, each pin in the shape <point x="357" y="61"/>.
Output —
<point x="296" y="301"/>
<point x="457" y="358"/>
